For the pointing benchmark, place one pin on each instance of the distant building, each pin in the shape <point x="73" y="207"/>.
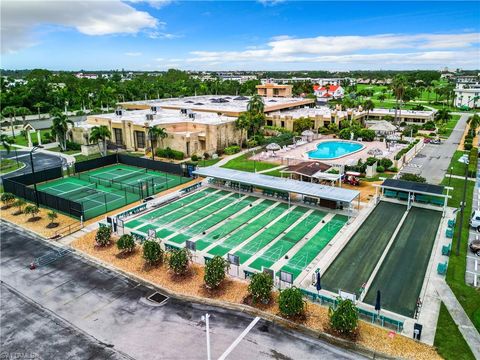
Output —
<point x="274" y="90"/>
<point x="86" y="76"/>
<point x="468" y="96"/>
<point x="328" y="92"/>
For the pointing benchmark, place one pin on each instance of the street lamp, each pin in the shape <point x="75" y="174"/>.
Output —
<point x="33" y="173"/>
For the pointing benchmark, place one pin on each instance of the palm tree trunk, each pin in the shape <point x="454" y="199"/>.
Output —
<point x="396" y="109"/>
<point x="104" y="146"/>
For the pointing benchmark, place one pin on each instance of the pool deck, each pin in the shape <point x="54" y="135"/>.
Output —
<point x="300" y="153"/>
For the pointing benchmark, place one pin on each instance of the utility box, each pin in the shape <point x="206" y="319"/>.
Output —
<point x="417" y="331"/>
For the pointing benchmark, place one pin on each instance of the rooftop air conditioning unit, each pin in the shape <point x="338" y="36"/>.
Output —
<point x="119" y="112"/>
<point x="191" y="115"/>
<point x="183" y="111"/>
<point x="149" y="117"/>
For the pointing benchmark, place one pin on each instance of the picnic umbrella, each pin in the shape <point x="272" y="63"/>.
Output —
<point x="318" y="285"/>
<point x="273" y="147"/>
<point x="377" y="301"/>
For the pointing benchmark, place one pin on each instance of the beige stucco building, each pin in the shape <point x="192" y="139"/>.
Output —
<point x="274" y="90"/>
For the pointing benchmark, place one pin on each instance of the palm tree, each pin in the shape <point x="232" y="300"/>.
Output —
<point x="59" y="129"/>
<point x="443" y="115"/>
<point x="256" y="105"/>
<point x="6" y="142"/>
<point x="10" y="112"/>
<point x="38" y="106"/>
<point x="23" y="112"/>
<point x="399" y="83"/>
<point x="100" y="133"/>
<point x="368" y="106"/>
<point x="242" y="123"/>
<point x="155" y="133"/>
<point x="474" y="122"/>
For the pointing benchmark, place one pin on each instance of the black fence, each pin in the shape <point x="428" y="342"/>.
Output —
<point x="95" y="163"/>
<point x="19" y="186"/>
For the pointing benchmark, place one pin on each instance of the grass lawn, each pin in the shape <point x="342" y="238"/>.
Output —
<point x="449" y="341"/>
<point x="387" y="175"/>
<point x="21" y="140"/>
<point x="69" y="152"/>
<point x="275" y="173"/>
<point x="81" y="158"/>
<point x="9" y="165"/>
<point x="450" y="125"/>
<point x="244" y="164"/>
<point x="458" y="167"/>
<point x="209" y="162"/>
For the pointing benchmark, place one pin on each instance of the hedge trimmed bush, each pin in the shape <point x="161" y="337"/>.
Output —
<point x="7" y="199"/>
<point x="179" y="260"/>
<point x="386" y="163"/>
<point x="380" y="169"/>
<point x="194" y="158"/>
<point x="170" y="154"/>
<point x="232" y="150"/>
<point x="344" y="318"/>
<point x="215" y="271"/>
<point x="468" y="146"/>
<point x="260" y="287"/>
<point x="126" y="243"/>
<point x="152" y="252"/>
<point x="103" y="236"/>
<point x="290" y="302"/>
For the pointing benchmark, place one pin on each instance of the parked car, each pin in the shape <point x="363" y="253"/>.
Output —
<point x="426" y="140"/>
<point x="475" y="247"/>
<point x="475" y="220"/>
<point x="436" y="142"/>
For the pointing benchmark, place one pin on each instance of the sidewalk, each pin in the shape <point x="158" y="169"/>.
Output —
<point x="470" y="334"/>
<point x="230" y="157"/>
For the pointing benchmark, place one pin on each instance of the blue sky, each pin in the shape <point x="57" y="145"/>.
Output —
<point x="239" y="35"/>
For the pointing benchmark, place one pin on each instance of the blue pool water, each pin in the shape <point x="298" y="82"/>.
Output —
<point x="334" y="149"/>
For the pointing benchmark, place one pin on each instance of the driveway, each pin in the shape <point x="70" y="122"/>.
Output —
<point x="74" y="309"/>
<point x="432" y="161"/>
<point x="41" y="161"/>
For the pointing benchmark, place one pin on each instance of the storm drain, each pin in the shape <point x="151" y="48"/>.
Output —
<point x="158" y="298"/>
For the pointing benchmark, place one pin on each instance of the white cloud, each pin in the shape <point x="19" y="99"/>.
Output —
<point x="163" y="35"/>
<point x="133" y="54"/>
<point x="270" y="2"/>
<point x="380" y="50"/>
<point x="20" y="18"/>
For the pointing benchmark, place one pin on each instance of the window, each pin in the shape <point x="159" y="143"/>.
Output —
<point x="118" y="136"/>
<point x="282" y="124"/>
<point x="269" y="123"/>
<point x="140" y="139"/>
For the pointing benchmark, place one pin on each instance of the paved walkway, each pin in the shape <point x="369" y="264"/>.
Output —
<point x="470" y="271"/>
<point x="234" y="156"/>
<point x="470" y="334"/>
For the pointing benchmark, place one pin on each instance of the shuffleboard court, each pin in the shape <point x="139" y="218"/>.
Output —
<point x="402" y="273"/>
<point x="314" y="246"/>
<point x="213" y="220"/>
<point x="254" y="227"/>
<point x="285" y="242"/>
<point x="354" y="265"/>
<point x="233" y="225"/>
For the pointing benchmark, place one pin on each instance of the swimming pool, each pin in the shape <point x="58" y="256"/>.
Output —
<point x="334" y="149"/>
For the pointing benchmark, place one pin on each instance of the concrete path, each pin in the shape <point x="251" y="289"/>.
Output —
<point x="472" y="269"/>
<point x="234" y="156"/>
<point x="470" y="334"/>
<point x="272" y="169"/>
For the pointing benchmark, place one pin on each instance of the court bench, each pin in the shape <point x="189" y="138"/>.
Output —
<point x="442" y="268"/>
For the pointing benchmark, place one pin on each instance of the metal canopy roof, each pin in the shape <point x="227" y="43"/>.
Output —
<point x="413" y="186"/>
<point x="276" y="183"/>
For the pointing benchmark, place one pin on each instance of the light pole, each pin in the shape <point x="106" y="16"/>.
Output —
<point x="33" y="173"/>
<point x="207" y="326"/>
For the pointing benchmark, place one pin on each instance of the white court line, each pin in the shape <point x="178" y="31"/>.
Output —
<point x="240" y="338"/>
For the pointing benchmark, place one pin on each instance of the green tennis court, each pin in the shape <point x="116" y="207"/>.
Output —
<point x="402" y="273"/>
<point x="285" y="242"/>
<point x="314" y="246"/>
<point x="354" y="265"/>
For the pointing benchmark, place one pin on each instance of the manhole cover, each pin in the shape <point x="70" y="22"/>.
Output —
<point x="158" y="298"/>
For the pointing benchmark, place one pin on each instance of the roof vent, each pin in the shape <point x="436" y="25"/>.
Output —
<point x="149" y="117"/>
<point x="119" y="112"/>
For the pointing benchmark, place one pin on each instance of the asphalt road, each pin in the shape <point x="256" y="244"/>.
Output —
<point x="72" y="309"/>
<point x="432" y="161"/>
<point x="41" y="161"/>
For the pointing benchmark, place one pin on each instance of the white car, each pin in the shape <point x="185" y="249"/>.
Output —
<point x="475" y="220"/>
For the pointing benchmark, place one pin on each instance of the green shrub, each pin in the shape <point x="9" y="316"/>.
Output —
<point x="215" y="271"/>
<point x="413" y="177"/>
<point x="179" y="260"/>
<point x="19" y="204"/>
<point x="371" y="160"/>
<point x="170" y="154"/>
<point x="344" y="318"/>
<point x="152" y="252"/>
<point x="52" y="215"/>
<point x="206" y="156"/>
<point x="31" y="210"/>
<point x="7" y="199"/>
<point x="232" y="150"/>
<point x="260" y="287"/>
<point x="126" y="243"/>
<point x="394" y="169"/>
<point x="386" y="163"/>
<point x="366" y="135"/>
<point x="103" y="236"/>
<point x="380" y="169"/>
<point x="468" y="146"/>
<point x="73" y="145"/>
<point x="291" y="303"/>
<point x="429" y="125"/>
<point x="194" y="158"/>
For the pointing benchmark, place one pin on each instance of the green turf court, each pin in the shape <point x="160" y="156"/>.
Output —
<point x="111" y="187"/>
<point x="401" y="276"/>
<point x="354" y="265"/>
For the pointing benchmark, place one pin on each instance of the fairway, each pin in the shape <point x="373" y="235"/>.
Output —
<point x="401" y="275"/>
<point x="355" y="263"/>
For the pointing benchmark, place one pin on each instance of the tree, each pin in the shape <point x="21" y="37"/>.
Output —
<point x="39" y="105"/>
<point x="6" y="142"/>
<point x="302" y="124"/>
<point x="260" y="287"/>
<point x="10" y="112"/>
<point x="19" y="204"/>
<point x="126" y="243"/>
<point x="179" y="261"/>
<point x="100" y="133"/>
<point x="243" y="124"/>
<point x="103" y="236"/>
<point x="59" y="129"/>
<point x="7" y="199"/>
<point x="399" y="84"/>
<point x="474" y="121"/>
<point x="368" y="106"/>
<point x="31" y="210"/>
<point x="290" y="302"/>
<point x="155" y="133"/>
<point x="382" y="97"/>
<point x="413" y="177"/>
<point x="152" y="252"/>
<point x="443" y="115"/>
<point x="23" y="112"/>
<point x="256" y="105"/>
<point x="52" y="215"/>
<point x="215" y="271"/>
<point x="344" y="318"/>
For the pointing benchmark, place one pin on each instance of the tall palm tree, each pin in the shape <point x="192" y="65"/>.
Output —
<point x="23" y="112"/>
<point x="399" y="84"/>
<point x="100" y="133"/>
<point x="368" y="106"/>
<point x="6" y="142"/>
<point x="155" y="133"/>
<point x="10" y="112"/>
<point x="443" y="115"/>
<point x="38" y="106"/>
<point x="243" y="124"/>
<point x="59" y="128"/>
<point x="255" y="105"/>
